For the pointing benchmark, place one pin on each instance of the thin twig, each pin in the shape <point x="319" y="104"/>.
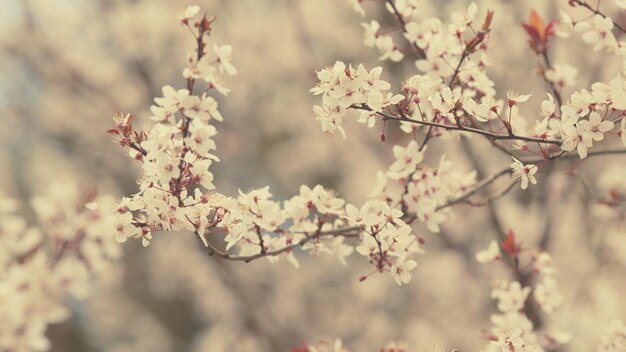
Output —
<point x="343" y="232"/>
<point x="553" y="88"/>
<point x="477" y="187"/>
<point x="597" y="12"/>
<point x="420" y="52"/>
<point x="492" y="136"/>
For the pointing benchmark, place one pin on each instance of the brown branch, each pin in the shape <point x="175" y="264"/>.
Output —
<point x="479" y="186"/>
<point x="204" y="28"/>
<point x="420" y="52"/>
<point x="467" y="51"/>
<point x="553" y="88"/>
<point x="344" y="232"/>
<point x="257" y="229"/>
<point x="586" y="5"/>
<point x="494" y="196"/>
<point x="507" y="171"/>
<point x="491" y="135"/>
<point x="565" y="155"/>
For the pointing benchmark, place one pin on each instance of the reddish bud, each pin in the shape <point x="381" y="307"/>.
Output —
<point x="487" y="24"/>
<point x="205" y="24"/>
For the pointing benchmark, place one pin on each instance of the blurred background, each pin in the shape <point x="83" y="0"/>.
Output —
<point x="67" y="65"/>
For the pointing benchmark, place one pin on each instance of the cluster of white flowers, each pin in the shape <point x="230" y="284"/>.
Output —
<point x="177" y="191"/>
<point x="257" y="224"/>
<point x="599" y="33"/>
<point x="453" y="90"/>
<point x="586" y="117"/>
<point x="423" y="98"/>
<point x="597" y="29"/>
<point x="78" y="235"/>
<point x="201" y="66"/>
<point x="512" y="298"/>
<point x="422" y="191"/>
<point x="41" y="266"/>
<point x="384" y="42"/>
<point x="202" y="108"/>
<point x="510" y="340"/>
<point x="387" y="241"/>
<point x="344" y="87"/>
<point x="176" y="151"/>
<point x="443" y="46"/>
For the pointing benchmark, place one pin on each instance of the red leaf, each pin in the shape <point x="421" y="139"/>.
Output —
<point x="536" y="22"/>
<point x="532" y="32"/>
<point x="540" y="34"/>
<point x="509" y="246"/>
<point x="550" y="30"/>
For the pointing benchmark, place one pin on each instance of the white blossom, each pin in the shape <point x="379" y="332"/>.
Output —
<point x="526" y="173"/>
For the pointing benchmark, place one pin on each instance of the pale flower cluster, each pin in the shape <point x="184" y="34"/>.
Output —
<point x="387" y="241"/>
<point x="343" y="87"/>
<point x="176" y="152"/>
<point x="385" y="43"/>
<point x="79" y="235"/>
<point x="177" y="191"/>
<point x="599" y="33"/>
<point x="580" y="122"/>
<point x="43" y="266"/>
<point x="255" y="223"/>
<point x="444" y="44"/>
<point x="510" y="340"/>
<point x="586" y="117"/>
<point x="514" y="323"/>
<point x="422" y="191"/>
<point x="436" y="95"/>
